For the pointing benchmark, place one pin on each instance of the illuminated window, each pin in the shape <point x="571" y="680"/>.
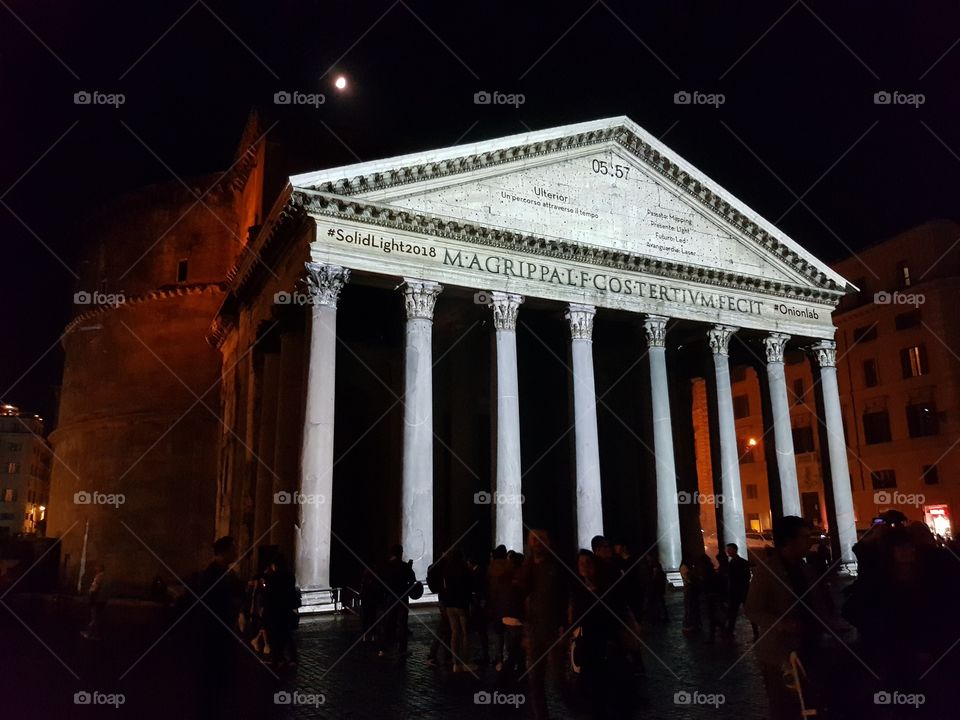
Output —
<point x="9" y="495"/>
<point x="913" y="361"/>
<point x="745" y="450"/>
<point x="903" y="274"/>
<point x="13" y="468"/>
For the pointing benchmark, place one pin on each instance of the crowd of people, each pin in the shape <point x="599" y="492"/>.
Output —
<point x="576" y="628"/>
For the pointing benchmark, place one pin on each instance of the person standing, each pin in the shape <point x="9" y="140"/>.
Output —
<point x="787" y="626"/>
<point x="97" y="594"/>
<point x="281" y="599"/>
<point x="499" y="580"/>
<point x="737" y="576"/>
<point x="398" y="579"/>
<point x="457" y="582"/>
<point x="441" y="638"/>
<point x="545" y="594"/>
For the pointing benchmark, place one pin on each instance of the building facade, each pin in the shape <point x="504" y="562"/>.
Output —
<point x="460" y="314"/>
<point x="25" y="460"/>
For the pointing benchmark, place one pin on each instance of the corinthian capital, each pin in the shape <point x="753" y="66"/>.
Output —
<point x="505" y="307"/>
<point x="324" y="282"/>
<point x="825" y="353"/>
<point x="655" y="327"/>
<point x="775" y="344"/>
<point x="719" y="337"/>
<point x="420" y="297"/>
<point x="581" y="321"/>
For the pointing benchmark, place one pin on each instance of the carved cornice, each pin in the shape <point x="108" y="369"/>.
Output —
<point x="774" y="344"/>
<point x="324" y="282"/>
<point x="719" y="337"/>
<point x="655" y="328"/>
<point x="420" y="298"/>
<point x="627" y="139"/>
<point x="505" y="307"/>
<point x="825" y="353"/>
<point x="321" y="205"/>
<point x="581" y="321"/>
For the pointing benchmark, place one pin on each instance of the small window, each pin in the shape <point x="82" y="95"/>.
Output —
<point x="738" y="373"/>
<point x="871" y="376"/>
<point x="741" y="406"/>
<point x="913" y="361"/>
<point x="745" y="450"/>
<point x="752" y="492"/>
<point x="883" y="479"/>
<point x="182" y="270"/>
<point x="907" y="320"/>
<point x="753" y="520"/>
<point x="930" y="475"/>
<point x="798" y="391"/>
<point x="9" y="495"/>
<point x="903" y="274"/>
<point x="865" y="333"/>
<point x="922" y="420"/>
<point x="13" y="468"/>
<point x="876" y="427"/>
<point x="803" y="440"/>
<point x="14" y="447"/>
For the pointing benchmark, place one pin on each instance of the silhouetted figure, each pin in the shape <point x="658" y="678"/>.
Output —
<point x="97" y="598"/>
<point x="221" y="597"/>
<point x="544" y="588"/>
<point x="459" y="590"/>
<point x="398" y="579"/>
<point x="786" y="625"/>
<point x="737" y="576"/>
<point x="441" y="638"/>
<point x="499" y="581"/>
<point x="281" y="599"/>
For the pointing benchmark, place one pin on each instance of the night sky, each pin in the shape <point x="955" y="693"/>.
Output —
<point x="798" y="137"/>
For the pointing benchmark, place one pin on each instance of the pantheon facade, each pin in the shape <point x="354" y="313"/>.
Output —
<point x="476" y="340"/>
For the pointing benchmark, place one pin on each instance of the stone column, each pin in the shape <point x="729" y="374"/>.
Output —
<point x="668" y="512"/>
<point x="312" y="539"/>
<point x="733" y="529"/>
<point x="420" y="297"/>
<point x="825" y="354"/>
<point x="587" y="445"/>
<point x="782" y="429"/>
<point x="509" y="509"/>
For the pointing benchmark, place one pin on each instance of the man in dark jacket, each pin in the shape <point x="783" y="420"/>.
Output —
<point x="737" y="576"/>
<point x="398" y="578"/>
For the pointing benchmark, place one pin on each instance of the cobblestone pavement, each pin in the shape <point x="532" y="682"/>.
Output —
<point x="44" y="662"/>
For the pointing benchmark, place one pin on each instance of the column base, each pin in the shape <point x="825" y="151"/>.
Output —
<point x="315" y="600"/>
<point x="847" y="569"/>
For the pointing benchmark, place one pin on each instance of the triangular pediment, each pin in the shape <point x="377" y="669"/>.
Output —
<point x="606" y="184"/>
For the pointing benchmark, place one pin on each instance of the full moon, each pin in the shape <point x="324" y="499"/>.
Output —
<point x="340" y="83"/>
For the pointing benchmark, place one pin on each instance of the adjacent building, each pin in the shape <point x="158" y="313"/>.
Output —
<point x="25" y="460"/>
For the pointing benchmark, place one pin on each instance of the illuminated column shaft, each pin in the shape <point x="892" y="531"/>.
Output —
<point x="825" y="353"/>
<point x="734" y="530"/>
<point x="509" y="509"/>
<point x="420" y="297"/>
<point x="587" y="444"/>
<point x="668" y="512"/>
<point x="782" y="430"/>
<point x="312" y="539"/>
